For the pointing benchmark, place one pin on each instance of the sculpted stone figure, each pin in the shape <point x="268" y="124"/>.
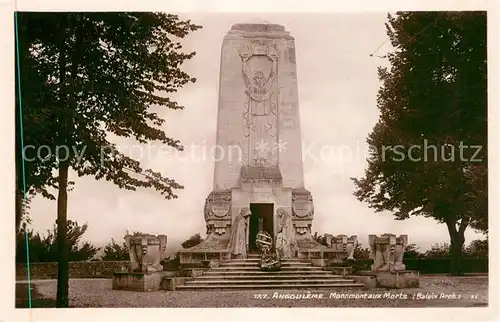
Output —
<point x="352" y="243"/>
<point x="280" y="243"/>
<point x="378" y="252"/>
<point x="387" y="252"/>
<point x="342" y="243"/>
<point x="146" y="251"/>
<point x="259" y="69"/>
<point x="287" y="234"/>
<point x="239" y="234"/>
<point x="398" y="251"/>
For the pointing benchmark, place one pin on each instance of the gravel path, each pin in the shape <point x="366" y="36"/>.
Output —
<point x="468" y="292"/>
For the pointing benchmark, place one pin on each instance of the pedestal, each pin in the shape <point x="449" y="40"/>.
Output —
<point x="386" y="279"/>
<point x="140" y="282"/>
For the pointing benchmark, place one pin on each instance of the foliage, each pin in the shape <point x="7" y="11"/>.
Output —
<point x="172" y="263"/>
<point x="321" y="239"/>
<point x="23" y="206"/>
<point x="432" y="265"/>
<point x="111" y="68"/>
<point x="115" y="252"/>
<point x="86" y="77"/>
<point x="361" y="253"/>
<point x="477" y="248"/>
<point x="192" y="241"/>
<point x="135" y="233"/>
<point x="433" y="100"/>
<point x="411" y="251"/>
<point x="438" y="251"/>
<point x="440" y="265"/>
<point x="43" y="248"/>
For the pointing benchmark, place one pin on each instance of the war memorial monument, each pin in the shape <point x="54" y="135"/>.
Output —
<point x="259" y="202"/>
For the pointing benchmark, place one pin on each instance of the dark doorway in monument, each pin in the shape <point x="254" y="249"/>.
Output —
<point x="260" y="212"/>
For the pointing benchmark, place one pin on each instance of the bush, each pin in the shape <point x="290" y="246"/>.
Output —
<point x="172" y="264"/>
<point x="115" y="252"/>
<point x="361" y="253"/>
<point x="192" y="241"/>
<point x="442" y="265"/>
<point x="432" y="265"/>
<point x="43" y="248"/>
<point x="477" y="248"/>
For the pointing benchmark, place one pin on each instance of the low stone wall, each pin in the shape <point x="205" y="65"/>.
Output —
<point x="76" y="269"/>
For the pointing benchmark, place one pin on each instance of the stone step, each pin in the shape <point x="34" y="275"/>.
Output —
<point x="257" y="268"/>
<point x="256" y="259"/>
<point x="286" y="263"/>
<point x="270" y="281"/>
<point x="264" y="277"/>
<point x="259" y="272"/>
<point x="302" y="286"/>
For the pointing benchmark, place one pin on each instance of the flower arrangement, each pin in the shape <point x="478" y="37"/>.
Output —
<point x="269" y="262"/>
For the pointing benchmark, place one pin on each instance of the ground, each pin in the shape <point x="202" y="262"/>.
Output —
<point x="470" y="291"/>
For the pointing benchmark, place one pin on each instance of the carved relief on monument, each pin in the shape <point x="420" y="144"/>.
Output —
<point x="261" y="197"/>
<point x="255" y="177"/>
<point x="342" y="243"/>
<point x="302" y="204"/>
<point x="218" y="211"/>
<point x="387" y="252"/>
<point x="252" y="184"/>
<point x="259" y="69"/>
<point x="302" y="227"/>
<point x="146" y="251"/>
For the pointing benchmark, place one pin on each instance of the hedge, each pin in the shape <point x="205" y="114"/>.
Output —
<point x="434" y="265"/>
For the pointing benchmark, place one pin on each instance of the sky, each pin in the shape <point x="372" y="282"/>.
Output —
<point x="338" y="87"/>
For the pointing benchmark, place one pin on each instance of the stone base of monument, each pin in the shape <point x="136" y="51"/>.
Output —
<point x="141" y="282"/>
<point x="370" y="282"/>
<point x="319" y="255"/>
<point x="386" y="279"/>
<point x="318" y="262"/>
<point x="171" y="283"/>
<point x="211" y="249"/>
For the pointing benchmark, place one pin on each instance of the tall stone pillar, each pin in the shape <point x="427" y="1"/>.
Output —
<point x="259" y="146"/>
<point x="258" y="104"/>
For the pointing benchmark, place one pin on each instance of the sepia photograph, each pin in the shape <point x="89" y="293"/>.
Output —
<point x="251" y="160"/>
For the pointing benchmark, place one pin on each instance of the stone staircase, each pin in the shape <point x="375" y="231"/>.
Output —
<point x="241" y="274"/>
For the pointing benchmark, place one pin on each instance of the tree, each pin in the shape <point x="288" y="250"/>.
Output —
<point x="432" y="104"/>
<point x="30" y="177"/>
<point x="192" y="241"/>
<point x="85" y="76"/>
<point x="477" y="248"/>
<point x="115" y="252"/>
<point x="43" y="248"/>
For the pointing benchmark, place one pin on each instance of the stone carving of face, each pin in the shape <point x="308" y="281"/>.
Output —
<point x="259" y="79"/>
